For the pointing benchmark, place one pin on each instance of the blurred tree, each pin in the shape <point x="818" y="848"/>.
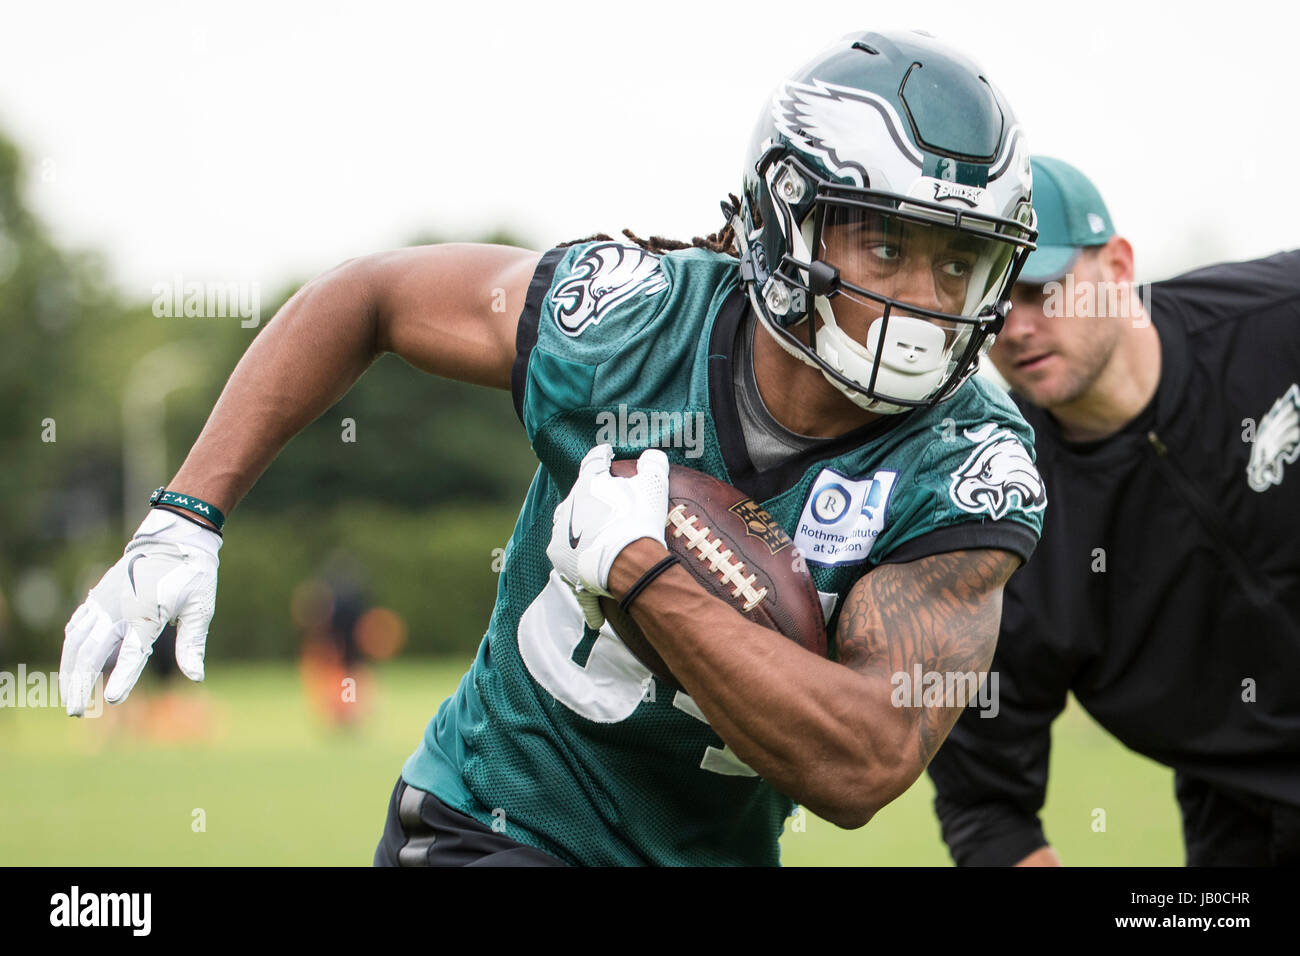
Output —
<point x="424" y="493"/>
<point x="46" y="299"/>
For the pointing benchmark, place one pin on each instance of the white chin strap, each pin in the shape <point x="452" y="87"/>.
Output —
<point x="913" y="361"/>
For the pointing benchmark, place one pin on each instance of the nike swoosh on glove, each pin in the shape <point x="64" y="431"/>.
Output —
<point x="168" y="572"/>
<point x="603" y="515"/>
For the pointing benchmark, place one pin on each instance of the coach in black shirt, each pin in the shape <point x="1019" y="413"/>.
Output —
<point x="1165" y="591"/>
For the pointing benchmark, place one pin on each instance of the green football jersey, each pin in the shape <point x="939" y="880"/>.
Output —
<point x="558" y="736"/>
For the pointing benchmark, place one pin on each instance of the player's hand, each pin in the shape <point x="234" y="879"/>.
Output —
<point x="602" y="516"/>
<point x="168" y="572"/>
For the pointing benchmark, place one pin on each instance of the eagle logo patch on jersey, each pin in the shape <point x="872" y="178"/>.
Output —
<point x="998" y="475"/>
<point x="605" y="276"/>
<point x="1277" y="442"/>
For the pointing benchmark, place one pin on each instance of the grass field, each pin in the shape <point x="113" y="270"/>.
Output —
<point x="263" y="782"/>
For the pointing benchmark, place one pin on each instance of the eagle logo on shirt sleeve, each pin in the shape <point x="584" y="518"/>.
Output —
<point x="606" y="275"/>
<point x="1277" y="442"/>
<point x="997" y="476"/>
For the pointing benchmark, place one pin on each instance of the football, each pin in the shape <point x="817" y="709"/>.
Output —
<point x="738" y="553"/>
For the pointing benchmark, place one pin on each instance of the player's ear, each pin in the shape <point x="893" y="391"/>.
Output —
<point x="1116" y="258"/>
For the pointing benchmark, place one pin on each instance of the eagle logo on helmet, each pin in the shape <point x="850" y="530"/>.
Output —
<point x="996" y="475"/>
<point x="836" y="123"/>
<point x="604" y="276"/>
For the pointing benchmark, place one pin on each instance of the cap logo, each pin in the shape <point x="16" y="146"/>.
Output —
<point x="1096" y="223"/>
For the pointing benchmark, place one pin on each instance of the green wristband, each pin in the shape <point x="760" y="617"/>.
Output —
<point x="188" y="503"/>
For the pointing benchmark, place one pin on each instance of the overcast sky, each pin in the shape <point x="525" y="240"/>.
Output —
<point x="265" y="141"/>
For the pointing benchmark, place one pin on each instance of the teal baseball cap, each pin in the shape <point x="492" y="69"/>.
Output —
<point x="1071" y="215"/>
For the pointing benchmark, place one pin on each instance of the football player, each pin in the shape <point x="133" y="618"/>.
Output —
<point x="1166" y="597"/>
<point x="827" y="361"/>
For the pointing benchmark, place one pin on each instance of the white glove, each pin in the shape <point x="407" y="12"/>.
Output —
<point x="601" y="517"/>
<point x="167" y="572"/>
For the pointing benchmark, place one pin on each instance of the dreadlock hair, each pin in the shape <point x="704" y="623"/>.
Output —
<point x="723" y="241"/>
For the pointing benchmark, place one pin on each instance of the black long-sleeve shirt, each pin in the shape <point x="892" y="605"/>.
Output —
<point x="1165" y="591"/>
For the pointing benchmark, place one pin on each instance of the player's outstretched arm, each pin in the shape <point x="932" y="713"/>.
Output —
<point x="451" y="309"/>
<point x="828" y="734"/>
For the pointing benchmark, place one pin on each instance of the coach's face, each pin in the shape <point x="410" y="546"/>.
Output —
<point x="1060" y="337"/>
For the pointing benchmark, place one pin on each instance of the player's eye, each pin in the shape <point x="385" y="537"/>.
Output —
<point x="956" y="268"/>
<point x="883" y="250"/>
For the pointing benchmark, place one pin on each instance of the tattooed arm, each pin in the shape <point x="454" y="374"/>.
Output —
<point x="941" y="613"/>
<point x="827" y="734"/>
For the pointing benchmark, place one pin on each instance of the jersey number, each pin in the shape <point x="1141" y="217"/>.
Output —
<point x="610" y="684"/>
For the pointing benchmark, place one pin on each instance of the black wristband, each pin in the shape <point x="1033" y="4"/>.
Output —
<point x="205" y="526"/>
<point x="644" y="581"/>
